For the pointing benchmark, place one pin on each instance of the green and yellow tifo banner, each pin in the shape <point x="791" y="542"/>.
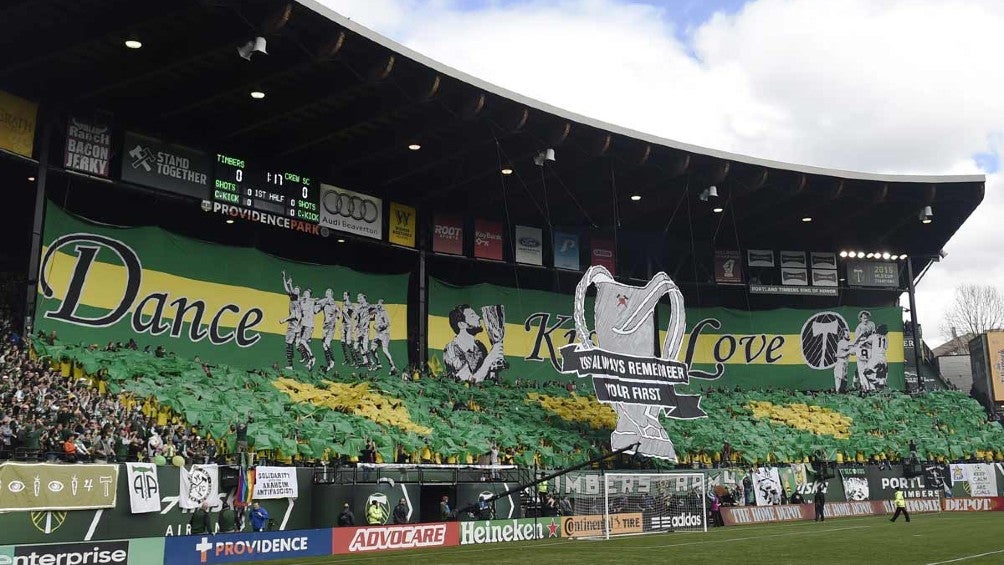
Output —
<point x="100" y="284"/>
<point x="784" y="348"/>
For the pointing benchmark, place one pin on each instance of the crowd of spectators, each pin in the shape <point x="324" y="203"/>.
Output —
<point x="46" y="416"/>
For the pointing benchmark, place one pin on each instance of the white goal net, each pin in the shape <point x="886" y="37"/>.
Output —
<point x="638" y="503"/>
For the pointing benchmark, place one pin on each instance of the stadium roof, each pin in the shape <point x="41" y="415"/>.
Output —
<point x="344" y="103"/>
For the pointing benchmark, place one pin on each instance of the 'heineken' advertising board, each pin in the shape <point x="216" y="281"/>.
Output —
<point x="517" y="529"/>
<point x="522" y="332"/>
<point x="239" y="306"/>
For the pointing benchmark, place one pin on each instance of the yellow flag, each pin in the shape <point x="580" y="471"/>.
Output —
<point x="402" y="225"/>
<point x="436" y="366"/>
<point x="17" y="124"/>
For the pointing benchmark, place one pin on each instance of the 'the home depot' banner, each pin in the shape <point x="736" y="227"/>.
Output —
<point x="783" y="348"/>
<point x="99" y="284"/>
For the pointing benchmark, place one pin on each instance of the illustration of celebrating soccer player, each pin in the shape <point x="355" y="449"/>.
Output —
<point x="381" y="323"/>
<point x="293" y="320"/>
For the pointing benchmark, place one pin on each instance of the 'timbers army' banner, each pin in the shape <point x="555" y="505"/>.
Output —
<point x="100" y="284"/>
<point x="488" y="332"/>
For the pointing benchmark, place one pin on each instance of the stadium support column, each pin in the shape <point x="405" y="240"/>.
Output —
<point x="917" y="343"/>
<point x="423" y="311"/>
<point x="36" y="227"/>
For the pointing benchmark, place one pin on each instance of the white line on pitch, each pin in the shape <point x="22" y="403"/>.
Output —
<point x="968" y="557"/>
<point x="800" y="533"/>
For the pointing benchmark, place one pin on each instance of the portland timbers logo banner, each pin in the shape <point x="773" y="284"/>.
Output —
<point x="502" y="334"/>
<point x="845" y="348"/>
<point x="239" y="306"/>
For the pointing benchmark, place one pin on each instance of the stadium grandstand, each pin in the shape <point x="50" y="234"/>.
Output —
<point x="260" y="256"/>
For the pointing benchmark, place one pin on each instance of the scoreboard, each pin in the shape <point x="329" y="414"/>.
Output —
<point x="873" y="273"/>
<point x="271" y="190"/>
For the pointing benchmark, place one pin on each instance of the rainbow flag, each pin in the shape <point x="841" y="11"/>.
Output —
<point x="245" y="487"/>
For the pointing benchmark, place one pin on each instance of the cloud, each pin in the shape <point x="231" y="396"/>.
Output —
<point x="896" y="86"/>
<point x="974" y="256"/>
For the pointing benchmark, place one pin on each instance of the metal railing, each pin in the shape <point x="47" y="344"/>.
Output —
<point x="350" y="475"/>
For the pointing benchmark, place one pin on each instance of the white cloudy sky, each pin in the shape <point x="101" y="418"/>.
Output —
<point x="912" y="86"/>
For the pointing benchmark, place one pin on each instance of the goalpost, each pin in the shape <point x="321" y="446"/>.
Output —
<point x="641" y="503"/>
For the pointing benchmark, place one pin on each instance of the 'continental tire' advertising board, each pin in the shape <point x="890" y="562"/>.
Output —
<point x="593" y="525"/>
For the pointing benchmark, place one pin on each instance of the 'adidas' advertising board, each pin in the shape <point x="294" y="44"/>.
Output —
<point x="674" y="522"/>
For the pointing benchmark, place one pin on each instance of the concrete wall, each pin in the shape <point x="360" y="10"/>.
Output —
<point x="958" y="370"/>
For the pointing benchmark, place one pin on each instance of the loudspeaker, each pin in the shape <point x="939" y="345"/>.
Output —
<point x="228" y="476"/>
<point x="256" y="45"/>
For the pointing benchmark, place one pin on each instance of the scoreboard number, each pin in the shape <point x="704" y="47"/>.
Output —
<point x="267" y="190"/>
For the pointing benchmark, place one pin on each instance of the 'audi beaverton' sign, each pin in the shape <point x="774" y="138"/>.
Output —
<point x="352" y="212"/>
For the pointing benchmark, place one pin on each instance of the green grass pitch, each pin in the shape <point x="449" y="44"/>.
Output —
<point x="966" y="539"/>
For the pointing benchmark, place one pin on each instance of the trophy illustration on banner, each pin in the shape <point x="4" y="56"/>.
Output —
<point x="493" y="319"/>
<point x="625" y="371"/>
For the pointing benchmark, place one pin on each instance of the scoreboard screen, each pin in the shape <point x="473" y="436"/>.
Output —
<point x="271" y="190"/>
<point x="873" y="273"/>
